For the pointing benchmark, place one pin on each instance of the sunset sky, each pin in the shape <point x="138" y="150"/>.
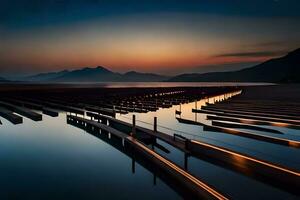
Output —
<point x="165" y="36"/>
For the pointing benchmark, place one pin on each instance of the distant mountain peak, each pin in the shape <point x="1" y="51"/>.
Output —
<point x="133" y="73"/>
<point x="296" y="52"/>
<point x="100" y="67"/>
<point x="283" y="69"/>
<point x="95" y="74"/>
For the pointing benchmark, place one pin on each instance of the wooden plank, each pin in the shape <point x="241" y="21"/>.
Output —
<point x="162" y="136"/>
<point x="198" y="187"/>
<point x="266" y="114"/>
<point x="10" y="116"/>
<point x="255" y="136"/>
<point x="244" y="126"/>
<point x="292" y="122"/>
<point x="22" y="111"/>
<point x="251" y="121"/>
<point x="280" y="176"/>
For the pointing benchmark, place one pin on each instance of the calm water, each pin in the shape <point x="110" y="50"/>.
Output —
<point x="53" y="160"/>
<point x="152" y="84"/>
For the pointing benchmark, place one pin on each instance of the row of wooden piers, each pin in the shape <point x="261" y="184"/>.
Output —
<point x="135" y="140"/>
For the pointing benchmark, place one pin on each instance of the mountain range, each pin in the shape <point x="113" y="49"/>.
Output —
<point x="278" y="70"/>
<point x="98" y="74"/>
<point x="2" y="79"/>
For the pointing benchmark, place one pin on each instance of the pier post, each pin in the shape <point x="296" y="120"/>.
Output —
<point x="133" y="126"/>
<point x="155" y="124"/>
<point x="133" y="165"/>
<point x="185" y="161"/>
<point x="196" y="104"/>
<point x="154" y="178"/>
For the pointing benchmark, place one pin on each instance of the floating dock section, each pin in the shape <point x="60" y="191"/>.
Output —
<point x="198" y="188"/>
<point x="22" y="111"/>
<point x="10" y="116"/>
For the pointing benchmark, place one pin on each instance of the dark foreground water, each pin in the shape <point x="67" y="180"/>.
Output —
<point x="53" y="160"/>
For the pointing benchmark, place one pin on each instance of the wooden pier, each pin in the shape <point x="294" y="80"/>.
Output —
<point x="197" y="187"/>
<point x="251" y="121"/>
<point x="232" y="131"/>
<point x="219" y="113"/>
<point x="10" y="116"/>
<point x="103" y="108"/>
<point x="22" y="111"/>
<point x="271" y="172"/>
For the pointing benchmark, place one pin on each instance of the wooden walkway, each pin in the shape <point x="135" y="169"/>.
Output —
<point x="30" y="105"/>
<point x="22" y="111"/>
<point x="256" y="136"/>
<point x="179" y="144"/>
<point x="268" y="115"/>
<point x="251" y="121"/>
<point x="200" y="188"/>
<point x="10" y="116"/>
<point x="255" y="167"/>
<point x="280" y="120"/>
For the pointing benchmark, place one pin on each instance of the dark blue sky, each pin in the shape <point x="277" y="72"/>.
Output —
<point x="29" y="13"/>
<point x="242" y="31"/>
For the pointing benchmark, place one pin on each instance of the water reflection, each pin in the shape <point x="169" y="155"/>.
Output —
<point x="51" y="160"/>
<point x="122" y="146"/>
<point x="76" y="165"/>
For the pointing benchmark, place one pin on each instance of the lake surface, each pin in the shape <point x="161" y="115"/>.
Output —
<point x="145" y="84"/>
<point x="55" y="160"/>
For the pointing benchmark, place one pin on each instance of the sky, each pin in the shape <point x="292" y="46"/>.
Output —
<point x="160" y="36"/>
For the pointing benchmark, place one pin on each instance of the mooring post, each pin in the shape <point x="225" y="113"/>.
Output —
<point x="154" y="178"/>
<point x="133" y="126"/>
<point x="196" y="104"/>
<point x="155" y="124"/>
<point x="186" y="161"/>
<point x="133" y="165"/>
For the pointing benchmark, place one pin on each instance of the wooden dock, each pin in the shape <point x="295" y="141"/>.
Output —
<point x="274" y="174"/>
<point x="199" y="188"/>
<point x="250" y="121"/>
<point x="232" y="131"/>
<point x="10" y="116"/>
<point x="275" y="120"/>
<point x="215" y="154"/>
<point x="253" y="113"/>
<point x="22" y="111"/>
<point x="127" y="128"/>
<point x="244" y="126"/>
<point x="30" y="105"/>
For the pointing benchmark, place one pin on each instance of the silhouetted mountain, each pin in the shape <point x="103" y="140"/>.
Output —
<point x="283" y="69"/>
<point x="3" y="80"/>
<point x="142" y="77"/>
<point x="98" y="74"/>
<point x="45" y="76"/>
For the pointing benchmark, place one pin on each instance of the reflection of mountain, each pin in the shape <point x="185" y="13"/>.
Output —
<point x="98" y="74"/>
<point x="283" y="69"/>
